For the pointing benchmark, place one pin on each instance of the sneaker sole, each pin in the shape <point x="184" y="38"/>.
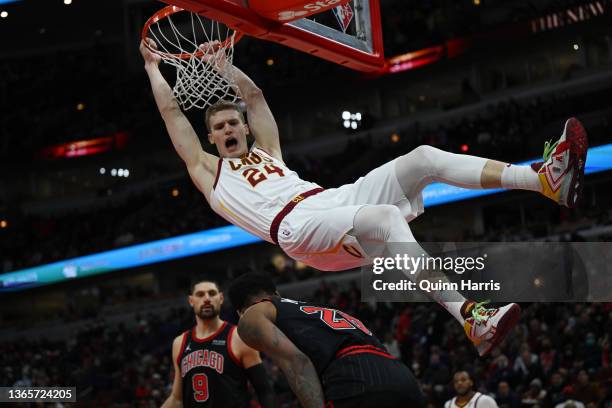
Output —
<point x="576" y="137"/>
<point x="506" y="323"/>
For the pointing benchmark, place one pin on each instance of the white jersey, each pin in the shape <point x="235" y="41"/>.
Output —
<point x="250" y="191"/>
<point x="478" y="400"/>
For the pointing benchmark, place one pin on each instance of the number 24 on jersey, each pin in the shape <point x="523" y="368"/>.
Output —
<point x="255" y="176"/>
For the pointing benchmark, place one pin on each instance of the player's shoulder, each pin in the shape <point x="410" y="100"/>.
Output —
<point x="264" y="306"/>
<point x="178" y="340"/>
<point x="290" y="301"/>
<point x="206" y="161"/>
<point x="268" y="151"/>
<point x="484" y="401"/>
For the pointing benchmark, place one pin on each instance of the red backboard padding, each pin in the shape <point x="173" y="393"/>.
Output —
<point x="289" y="10"/>
<point x="238" y="17"/>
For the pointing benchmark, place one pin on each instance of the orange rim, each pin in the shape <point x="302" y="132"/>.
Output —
<point x="167" y="11"/>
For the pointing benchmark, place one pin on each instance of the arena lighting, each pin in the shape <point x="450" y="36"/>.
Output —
<point x="576" y="47"/>
<point x="116" y="172"/>
<point x="217" y="239"/>
<point x="4" y="14"/>
<point x="3" y="224"/>
<point x="88" y="147"/>
<point x="129" y="257"/>
<point x="351" y="120"/>
<point x="67" y="2"/>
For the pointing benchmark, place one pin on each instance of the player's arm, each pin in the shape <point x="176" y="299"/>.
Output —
<point x="201" y="165"/>
<point x="175" y="400"/>
<point x="255" y="371"/>
<point x="257" y="329"/>
<point x="261" y="121"/>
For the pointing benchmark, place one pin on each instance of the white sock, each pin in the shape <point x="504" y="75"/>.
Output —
<point x="520" y="178"/>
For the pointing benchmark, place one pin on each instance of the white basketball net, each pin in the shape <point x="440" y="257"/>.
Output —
<point x="198" y="82"/>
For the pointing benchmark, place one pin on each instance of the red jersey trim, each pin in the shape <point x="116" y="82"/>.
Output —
<point x="219" y="163"/>
<point x="230" y="350"/>
<point x="209" y="338"/>
<point x="369" y="349"/>
<point x="258" y="147"/>
<point x="287" y="209"/>
<point x="182" y="349"/>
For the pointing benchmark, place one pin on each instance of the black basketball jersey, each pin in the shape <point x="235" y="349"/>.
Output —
<point x="212" y="375"/>
<point x="322" y="333"/>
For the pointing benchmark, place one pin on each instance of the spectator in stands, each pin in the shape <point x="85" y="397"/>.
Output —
<point x="527" y="366"/>
<point x="585" y="390"/>
<point x="505" y="397"/>
<point x="555" y="394"/>
<point x="437" y="373"/>
<point x="548" y="357"/>
<point x="535" y="395"/>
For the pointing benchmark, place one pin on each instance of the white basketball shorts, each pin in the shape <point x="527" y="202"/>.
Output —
<point x="316" y="231"/>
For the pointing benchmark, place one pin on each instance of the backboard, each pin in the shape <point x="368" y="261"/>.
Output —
<point x="345" y="32"/>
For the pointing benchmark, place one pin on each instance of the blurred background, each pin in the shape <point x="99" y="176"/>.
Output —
<point x="87" y="167"/>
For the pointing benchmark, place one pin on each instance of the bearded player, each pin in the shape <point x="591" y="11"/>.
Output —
<point x="466" y="396"/>
<point x="346" y="227"/>
<point x="212" y="363"/>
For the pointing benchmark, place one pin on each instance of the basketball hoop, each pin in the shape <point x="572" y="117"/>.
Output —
<point x="178" y="35"/>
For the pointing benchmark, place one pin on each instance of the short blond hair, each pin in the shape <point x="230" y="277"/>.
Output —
<point x="221" y="106"/>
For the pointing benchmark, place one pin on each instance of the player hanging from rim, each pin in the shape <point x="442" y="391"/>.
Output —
<point x="346" y="227"/>
<point x="211" y="362"/>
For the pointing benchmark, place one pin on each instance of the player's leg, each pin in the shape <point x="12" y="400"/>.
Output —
<point x="559" y="177"/>
<point x="380" y="228"/>
<point x="427" y="164"/>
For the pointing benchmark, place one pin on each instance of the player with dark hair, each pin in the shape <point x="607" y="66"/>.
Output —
<point x="347" y="227"/>
<point x="466" y="396"/>
<point x="326" y="354"/>
<point x="211" y="362"/>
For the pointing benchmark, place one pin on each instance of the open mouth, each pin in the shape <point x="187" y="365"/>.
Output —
<point x="231" y="142"/>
